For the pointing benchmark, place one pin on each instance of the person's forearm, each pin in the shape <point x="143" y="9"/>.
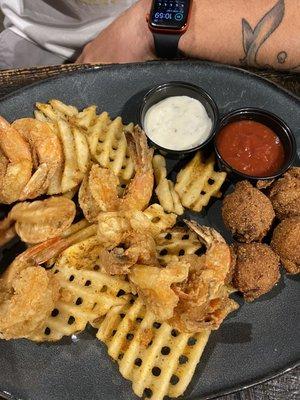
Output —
<point x="260" y="33"/>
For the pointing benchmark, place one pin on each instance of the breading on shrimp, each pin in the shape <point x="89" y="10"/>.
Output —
<point x="28" y="302"/>
<point x="28" y="291"/>
<point x="99" y="191"/>
<point x="203" y="297"/>
<point x="87" y="203"/>
<point x="139" y="191"/>
<point x="154" y="285"/>
<point x="103" y="185"/>
<point x="35" y="255"/>
<point x="113" y="225"/>
<point x="15" y="163"/>
<point x="41" y="219"/>
<point x="135" y="248"/>
<point x="47" y="153"/>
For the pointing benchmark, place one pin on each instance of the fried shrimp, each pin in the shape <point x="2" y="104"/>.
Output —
<point x="40" y="220"/>
<point x="139" y="191"/>
<point x="203" y="297"/>
<point x="35" y="255"/>
<point x="47" y="154"/>
<point x="134" y="248"/>
<point x="87" y="203"/>
<point x="247" y="213"/>
<point x="99" y="192"/>
<point x="113" y="225"/>
<point x="154" y="286"/>
<point x="285" y="194"/>
<point x="28" y="291"/>
<point x="103" y="185"/>
<point x="15" y="163"/>
<point x="28" y="302"/>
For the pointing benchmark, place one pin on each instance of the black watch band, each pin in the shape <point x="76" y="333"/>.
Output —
<point x="166" y="45"/>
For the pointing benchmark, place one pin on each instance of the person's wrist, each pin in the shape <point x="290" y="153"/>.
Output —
<point x="186" y="41"/>
<point x="146" y="36"/>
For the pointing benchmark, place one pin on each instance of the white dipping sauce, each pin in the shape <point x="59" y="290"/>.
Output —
<point x="177" y="123"/>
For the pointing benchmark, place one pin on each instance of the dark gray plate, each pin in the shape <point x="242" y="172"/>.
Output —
<point x="257" y="342"/>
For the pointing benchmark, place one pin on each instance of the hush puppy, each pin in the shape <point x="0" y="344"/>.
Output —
<point x="286" y="243"/>
<point x="285" y="194"/>
<point x="256" y="269"/>
<point x="247" y="213"/>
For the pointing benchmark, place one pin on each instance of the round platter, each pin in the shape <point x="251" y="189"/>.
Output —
<point x="255" y="343"/>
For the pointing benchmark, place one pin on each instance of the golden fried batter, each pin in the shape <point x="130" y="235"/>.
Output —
<point x="203" y="297"/>
<point x="247" y="213"/>
<point x="256" y="269"/>
<point x="27" y="304"/>
<point x="285" y="195"/>
<point x="286" y="243"/>
<point x="135" y="248"/>
<point x="153" y="285"/>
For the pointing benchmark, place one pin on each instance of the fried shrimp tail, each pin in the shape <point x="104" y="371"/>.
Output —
<point x="139" y="191"/>
<point x="154" y="286"/>
<point x="203" y="297"/>
<point x="99" y="190"/>
<point x="35" y="255"/>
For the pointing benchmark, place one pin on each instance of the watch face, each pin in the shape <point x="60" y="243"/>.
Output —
<point x="171" y="14"/>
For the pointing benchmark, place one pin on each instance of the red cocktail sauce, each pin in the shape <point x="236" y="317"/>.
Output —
<point x="251" y="148"/>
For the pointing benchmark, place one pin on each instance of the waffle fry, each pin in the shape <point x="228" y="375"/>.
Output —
<point x="86" y="293"/>
<point x="85" y="118"/>
<point x="157" y="359"/>
<point x="63" y="109"/>
<point x="47" y="112"/>
<point x="197" y="182"/>
<point x="167" y="196"/>
<point x="159" y="218"/>
<point x="97" y="131"/>
<point x="82" y="150"/>
<point x="106" y="139"/>
<point x="57" y="110"/>
<point x="176" y="242"/>
<point x="108" y="146"/>
<point x="71" y="176"/>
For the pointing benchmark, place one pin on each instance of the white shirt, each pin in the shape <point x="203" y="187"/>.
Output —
<point x="61" y="26"/>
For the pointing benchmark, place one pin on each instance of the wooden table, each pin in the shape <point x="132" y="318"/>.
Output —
<point x="285" y="387"/>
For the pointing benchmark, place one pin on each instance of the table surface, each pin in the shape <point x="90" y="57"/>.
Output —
<point x="284" y="387"/>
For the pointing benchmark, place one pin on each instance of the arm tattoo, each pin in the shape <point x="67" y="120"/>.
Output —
<point x="253" y="39"/>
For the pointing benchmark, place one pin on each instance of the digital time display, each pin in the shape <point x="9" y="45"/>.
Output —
<point x="169" y="13"/>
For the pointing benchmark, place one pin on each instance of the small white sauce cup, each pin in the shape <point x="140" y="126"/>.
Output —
<point x="170" y="89"/>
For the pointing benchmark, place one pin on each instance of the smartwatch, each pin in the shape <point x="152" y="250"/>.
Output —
<point x="168" y="20"/>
